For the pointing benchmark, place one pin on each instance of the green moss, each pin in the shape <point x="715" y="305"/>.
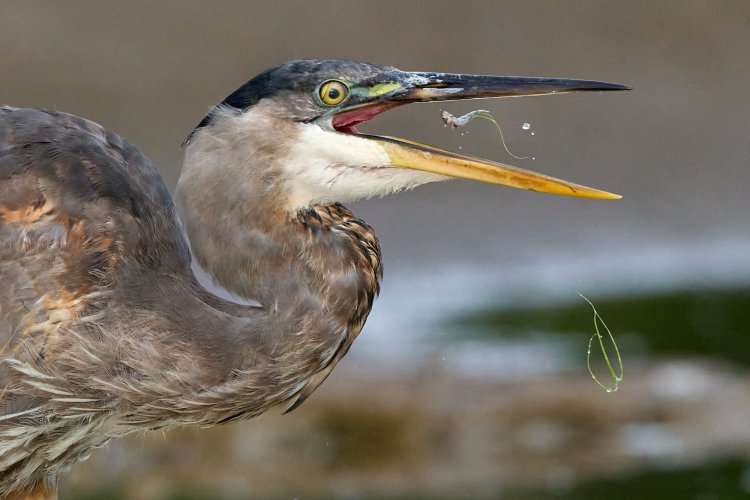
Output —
<point x="688" y="322"/>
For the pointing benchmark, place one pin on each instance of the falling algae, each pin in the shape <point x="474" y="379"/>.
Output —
<point x="617" y="379"/>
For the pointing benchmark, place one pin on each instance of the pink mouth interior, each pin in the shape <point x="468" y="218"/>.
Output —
<point x="345" y="122"/>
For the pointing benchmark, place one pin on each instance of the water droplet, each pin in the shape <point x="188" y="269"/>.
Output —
<point x="526" y="126"/>
<point x="533" y="158"/>
<point x="533" y="133"/>
<point x="460" y="147"/>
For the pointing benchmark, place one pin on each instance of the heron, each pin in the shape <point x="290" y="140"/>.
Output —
<point x="105" y="329"/>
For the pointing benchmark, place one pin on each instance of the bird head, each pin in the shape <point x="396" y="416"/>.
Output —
<point x="302" y="115"/>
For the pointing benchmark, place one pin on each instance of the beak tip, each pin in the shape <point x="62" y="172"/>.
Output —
<point x="617" y="86"/>
<point x="591" y="193"/>
<point x="610" y="196"/>
<point x="604" y="86"/>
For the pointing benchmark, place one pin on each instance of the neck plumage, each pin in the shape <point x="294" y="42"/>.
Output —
<point x="315" y="272"/>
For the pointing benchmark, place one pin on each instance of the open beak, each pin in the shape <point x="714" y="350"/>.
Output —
<point x="396" y="88"/>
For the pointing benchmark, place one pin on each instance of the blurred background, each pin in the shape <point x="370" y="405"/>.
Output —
<point x="469" y="380"/>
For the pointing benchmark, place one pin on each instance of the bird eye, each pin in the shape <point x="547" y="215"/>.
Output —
<point x="333" y="92"/>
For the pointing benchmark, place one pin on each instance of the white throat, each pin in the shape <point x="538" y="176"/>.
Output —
<point x="328" y="166"/>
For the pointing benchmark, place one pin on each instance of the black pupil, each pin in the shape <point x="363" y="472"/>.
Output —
<point x="334" y="93"/>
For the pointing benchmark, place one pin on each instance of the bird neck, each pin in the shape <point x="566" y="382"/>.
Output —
<point x="233" y="203"/>
<point x="315" y="271"/>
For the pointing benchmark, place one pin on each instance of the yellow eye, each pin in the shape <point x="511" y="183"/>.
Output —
<point x="333" y="92"/>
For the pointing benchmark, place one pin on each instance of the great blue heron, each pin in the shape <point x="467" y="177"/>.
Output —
<point x="104" y="329"/>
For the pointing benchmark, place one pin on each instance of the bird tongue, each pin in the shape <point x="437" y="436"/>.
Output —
<point x="345" y="121"/>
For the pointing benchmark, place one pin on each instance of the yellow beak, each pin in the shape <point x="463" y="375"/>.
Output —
<point x="408" y="154"/>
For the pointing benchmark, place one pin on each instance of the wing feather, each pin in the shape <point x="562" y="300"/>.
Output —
<point x="76" y="202"/>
